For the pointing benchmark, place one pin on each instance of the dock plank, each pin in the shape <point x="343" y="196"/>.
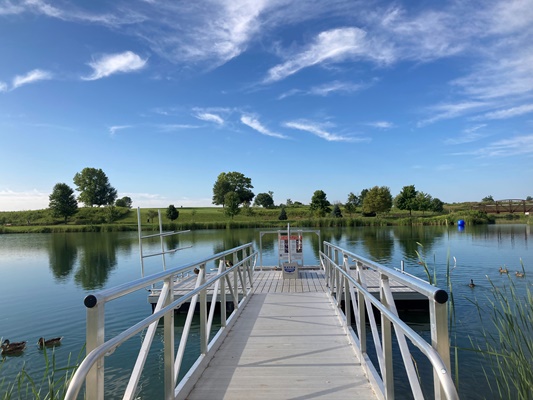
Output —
<point x="285" y="346"/>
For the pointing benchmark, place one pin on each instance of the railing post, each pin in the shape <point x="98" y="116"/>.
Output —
<point x="168" y="323"/>
<point x="361" y="312"/>
<point x="223" y="316"/>
<point x="438" y="316"/>
<point x="94" y="386"/>
<point x="203" y="314"/>
<point x="347" y="293"/>
<point x="386" y="339"/>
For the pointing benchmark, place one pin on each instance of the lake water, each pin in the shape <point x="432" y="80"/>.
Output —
<point x="46" y="276"/>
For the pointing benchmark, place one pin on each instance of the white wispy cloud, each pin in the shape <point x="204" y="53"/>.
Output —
<point x="381" y="124"/>
<point x="110" y="64"/>
<point x="425" y="36"/>
<point x="115" y="128"/>
<point x="335" y="45"/>
<point x="469" y="135"/>
<point x="209" y="33"/>
<point x="210" y="117"/>
<point x="8" y="8"/>
<point x="175" y="127"/>
<point x="516" y="146"/>
<point x="319" y="130"/>
<point x="327" y="88"/>
<point x="3" y="86"/>
<point x="452" y="110"/>
<point x="31" y="77"/>
<point x="254" y="123"/>
<point x="509" y="112"/>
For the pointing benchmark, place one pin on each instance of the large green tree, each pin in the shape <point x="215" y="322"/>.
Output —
<point x="62" y="201"/>
<point x="377" y="200"/>
<point x="320" y="204"/>
<point x="232" y="182"/>
<point x="264" y="200"/>
<point x="94" y="187"/>
<point x="406" y="199"/>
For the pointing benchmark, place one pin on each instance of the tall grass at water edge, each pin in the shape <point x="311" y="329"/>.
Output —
<point x="506" y="337"/>
<point x="506" y="341"/>
<point x="52" y="385"/>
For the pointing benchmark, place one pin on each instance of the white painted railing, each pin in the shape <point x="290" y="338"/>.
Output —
<point x="237" y="279"/>
<point x="342" y="286"/>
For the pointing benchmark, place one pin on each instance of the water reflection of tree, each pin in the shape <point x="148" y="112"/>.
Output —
<point x="97" y="260"/>
<point x="409" y="236"/>
<point x="379" y="243"/>
<point x="62" y="255"/>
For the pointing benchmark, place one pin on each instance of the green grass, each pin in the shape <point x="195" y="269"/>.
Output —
<point x="101" y="219"/>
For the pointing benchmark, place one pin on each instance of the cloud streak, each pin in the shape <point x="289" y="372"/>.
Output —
<point x="516" y="146"/>
<point x="319" y="130"/>
<point x="254" y="123"/>
<point x="31" y="77"/>
<point x="110" y="64"/>
<point x="210" y="117"/>
<point x="509" y="112"/>
<point x="335" y="45"/>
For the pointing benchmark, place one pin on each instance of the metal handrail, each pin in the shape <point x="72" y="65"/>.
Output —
<point x="343" y="286"/>
<point x="91" y="370"/>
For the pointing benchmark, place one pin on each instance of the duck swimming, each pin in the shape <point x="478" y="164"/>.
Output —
<point x="504" y="270"/>
<point x="50" y="342"/>
<point x="472" y="284"/>
<point x="519" y="274"/>
<point x="12" y="348"/>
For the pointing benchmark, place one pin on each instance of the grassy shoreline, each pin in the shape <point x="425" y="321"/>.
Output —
<point x="118" y="219"/>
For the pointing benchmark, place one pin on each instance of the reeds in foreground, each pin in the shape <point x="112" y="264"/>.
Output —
<point x="52" y="385"/>
<point x="506" y="342"/>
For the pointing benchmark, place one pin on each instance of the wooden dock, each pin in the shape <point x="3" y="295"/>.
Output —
<point x="285" y="345"/>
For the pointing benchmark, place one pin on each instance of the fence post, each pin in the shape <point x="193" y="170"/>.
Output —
<point x="168" y="327"/>
<point x="223" y="316"/>
<point x="386" y="333"/>
<point x="438" y="316"/>
<point x="94" y="386"/>
<point x="203" y="313"/>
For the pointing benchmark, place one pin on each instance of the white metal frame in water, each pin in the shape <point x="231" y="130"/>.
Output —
<point x="342" y="286"/>
<point x="91" y="370"/>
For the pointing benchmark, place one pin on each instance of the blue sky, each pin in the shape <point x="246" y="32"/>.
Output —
<point x="299" y="96"/>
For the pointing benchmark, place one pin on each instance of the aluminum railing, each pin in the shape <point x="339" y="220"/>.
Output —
<point x="91" y="370"/>
<point x="342" y="286"/>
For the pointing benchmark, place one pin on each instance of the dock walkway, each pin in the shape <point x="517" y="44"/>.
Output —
<point x="288" y="343"/>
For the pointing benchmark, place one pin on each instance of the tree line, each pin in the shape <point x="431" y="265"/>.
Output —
<point x="233" y="190"/>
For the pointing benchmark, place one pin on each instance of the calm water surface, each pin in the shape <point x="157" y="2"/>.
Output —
<point x="46" y="276"/>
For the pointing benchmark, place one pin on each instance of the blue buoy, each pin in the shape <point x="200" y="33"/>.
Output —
<point x="461" y="222"/>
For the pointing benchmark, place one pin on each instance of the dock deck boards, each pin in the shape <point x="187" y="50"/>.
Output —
<point x="309" y="280"/>
<point x="288" y="343"/>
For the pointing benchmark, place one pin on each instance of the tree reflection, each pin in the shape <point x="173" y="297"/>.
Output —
<point x="62" y="255"/>
<point x="409" y="238"/>
<point x="98" y="258"/>
<point x="379" y="243"/>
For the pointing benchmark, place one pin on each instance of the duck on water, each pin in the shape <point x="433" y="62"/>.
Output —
<point x="12" y="348"/>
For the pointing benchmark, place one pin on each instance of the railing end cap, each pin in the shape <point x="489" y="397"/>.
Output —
<point x="90" y="301"/>
<point x="441" y="296"/>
